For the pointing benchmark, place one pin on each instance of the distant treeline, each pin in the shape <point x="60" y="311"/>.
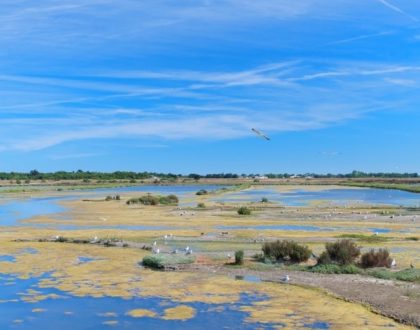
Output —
<point x="85" y="175"/>
<point x="126" y="175"/>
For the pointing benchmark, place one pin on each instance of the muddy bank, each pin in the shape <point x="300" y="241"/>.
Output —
<point x="397" y="300"/>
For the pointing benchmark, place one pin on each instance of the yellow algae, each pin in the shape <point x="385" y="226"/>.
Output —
<point x="310" y="306"/>
<point x="116" y="273"/>
<point x="141" y="313"/>
<point x="181" y="312"/>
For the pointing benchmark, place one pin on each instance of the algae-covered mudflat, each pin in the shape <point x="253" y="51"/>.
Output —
<point x="74" y="258"/>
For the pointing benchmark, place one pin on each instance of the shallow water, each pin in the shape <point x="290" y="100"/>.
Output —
<point x="63" y="311"/>
<point x="337" y="197"/>
<point x="305" y="228"/>
<point x="12" y="212"/>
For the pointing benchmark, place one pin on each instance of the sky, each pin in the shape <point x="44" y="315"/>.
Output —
<point x="176" y="86"/>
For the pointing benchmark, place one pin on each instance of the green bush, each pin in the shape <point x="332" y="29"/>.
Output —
<point x="376" y="259"/>
<point x="286" y="250"/>
<point x="243" y="210"/>
<point x="324" y="259"/>
<point x="201" y="192"/>
<point x="264" y="200"/>
<point x="154" y="200"/>
<point x="160" y="261"/>
<point x="343" y="252"/>
<point x="239" y="257"/>
<point x="201" y="205"/>
<point x="168" y="200"/>
<point x="334" y="269"/>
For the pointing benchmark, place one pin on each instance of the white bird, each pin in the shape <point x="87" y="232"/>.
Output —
<point x="286" y="278"/>
<point x="154" y="243"/>
<point x="189" y="251"/>
<point x="229" y="256"/>
<point x="165" y="237"/>
<point x="157" y="251"/>
<point x="187" y="248"/>
<point x="393" y="263"/>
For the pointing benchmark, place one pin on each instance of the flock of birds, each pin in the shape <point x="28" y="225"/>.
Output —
<point x="156" y="250"/>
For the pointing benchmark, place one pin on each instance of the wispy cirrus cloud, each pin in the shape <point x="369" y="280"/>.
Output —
<point x="226" y="105"/>
<point x="398" y="10"/>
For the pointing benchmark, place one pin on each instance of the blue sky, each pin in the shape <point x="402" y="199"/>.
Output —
<point x="176" y="86"/>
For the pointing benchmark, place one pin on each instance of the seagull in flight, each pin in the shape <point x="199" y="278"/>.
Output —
<point x="260" y="134"/>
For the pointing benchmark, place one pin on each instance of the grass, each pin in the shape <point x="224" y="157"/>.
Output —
<point x="160" y="261"/>
<point x="408" y="275"/>
<point x="335" y="269"/>
<point x="381" y="185"/>
<point x="365" y="238"/>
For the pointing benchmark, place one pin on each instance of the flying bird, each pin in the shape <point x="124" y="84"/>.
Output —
<point x="260" y="134"/>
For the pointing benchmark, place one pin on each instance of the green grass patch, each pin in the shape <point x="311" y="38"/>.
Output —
<point x="160" y="261"/>
<point x="408" y="275"/>
<point x="154" y="200"/>
<point x="365" y="238"/>
<point x="335" y="269"/>
<point x="382" y="185"/>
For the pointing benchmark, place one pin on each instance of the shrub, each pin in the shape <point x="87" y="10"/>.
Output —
<point x="264" y="200"/>
<point x="154" y="200"/>
<point x="239" y="257"/>
<point x="324" y="259"/>
<point x="343" y="252"/>
<point x="376" y="259"/>
<point x="160" y="261"/>
<point x="108" y="198"/>
<point x="202" y="192"/>
<point x="243" y="210"/>
<point x="286" y="250"/>
<point x="408" y="275"/>
<point x="201" y="205"/>
<point x="335" y="269"/>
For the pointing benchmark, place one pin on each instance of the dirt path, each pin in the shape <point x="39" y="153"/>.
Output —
<point x="397" y="300"/>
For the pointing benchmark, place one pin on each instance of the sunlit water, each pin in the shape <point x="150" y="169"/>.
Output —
<point x="66" y="311"/>
<point x="339" y="197"/>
